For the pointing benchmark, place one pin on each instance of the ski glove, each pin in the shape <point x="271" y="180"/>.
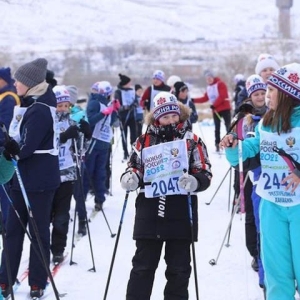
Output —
<point x="108" y="110"/>
<point x="116" y="105"/>
<point x="70" y="133"/>
<point x="85" y="128"/>
<point x="11" y="149"/>
<point x="188" y="183"/>
<point x="212" y="107"/>
<point x="130" y="181"/>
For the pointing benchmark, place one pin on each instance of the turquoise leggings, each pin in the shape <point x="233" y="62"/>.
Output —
<point x="280" y="245"/>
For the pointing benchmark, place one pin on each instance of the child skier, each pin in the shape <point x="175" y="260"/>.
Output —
<point x="157" y="166"/>
<point x="62" y="199"/>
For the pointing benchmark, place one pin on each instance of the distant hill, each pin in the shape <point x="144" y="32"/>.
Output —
<point x="50" y="25"/>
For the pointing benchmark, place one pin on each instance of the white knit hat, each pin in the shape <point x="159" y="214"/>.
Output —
<point x="255" y="83"/>
<point x="287" y="79"/>
<point x="264" y="61"/>
<point x="61" y="94"/>
<point x="165" y="103"/>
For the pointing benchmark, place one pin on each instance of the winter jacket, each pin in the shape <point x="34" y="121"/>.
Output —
<point x="251" y="148"/>
<point x="94" y="116"/>
<point x="217" y="94"/>
<point x="241" y="97"/>
<point x="40" y="172"/>
<point x="174" y="223"/>
<point x="147" y="97"/>
<point x="7" y="104"/>
<point x="193" y="114"/>
<point x="128" y="106"/>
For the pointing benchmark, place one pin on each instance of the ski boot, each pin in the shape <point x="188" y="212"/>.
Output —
<point x="81" y="227"/>
<point x="36" y="292"/>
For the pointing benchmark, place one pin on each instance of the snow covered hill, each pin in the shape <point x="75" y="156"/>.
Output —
<point x="38" y="25"/>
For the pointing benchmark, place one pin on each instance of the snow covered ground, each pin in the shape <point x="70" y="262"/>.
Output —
<point x="231" y="278"/>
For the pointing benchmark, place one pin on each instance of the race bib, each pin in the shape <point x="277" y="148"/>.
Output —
<point x="163" y="165"/>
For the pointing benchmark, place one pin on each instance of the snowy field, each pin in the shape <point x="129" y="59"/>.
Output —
<point x="231" y="278"/>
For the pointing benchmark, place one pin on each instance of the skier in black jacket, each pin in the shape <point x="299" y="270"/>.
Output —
<point x="157" y="166"/>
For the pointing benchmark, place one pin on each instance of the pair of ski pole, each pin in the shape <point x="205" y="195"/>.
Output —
<point x="190" y="212"/>
<point x="31" y="220"/>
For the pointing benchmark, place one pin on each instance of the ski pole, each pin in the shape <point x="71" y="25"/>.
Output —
<point x="31" y="218"/>
<point x="35" y="229"/>
<point x="116" y="244"/>
<point x="189" y="198"/>
<point x="7" y="262"/>
<point x="208" y="203"/>
<point x="229" y="194"/>
<point x="200" y="128"/>
<point x="91" y="182"/>
<point x="228" y="230"/>
<point x="78" y="168"/>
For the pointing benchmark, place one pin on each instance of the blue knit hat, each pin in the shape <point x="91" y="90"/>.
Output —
<point x="5" y="75"/>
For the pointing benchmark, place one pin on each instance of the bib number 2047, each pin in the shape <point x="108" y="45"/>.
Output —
<point x="162" y="187"/>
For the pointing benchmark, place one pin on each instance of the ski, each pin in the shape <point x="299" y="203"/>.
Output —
<point x="56" y="267"/>
<point x="93" y="214"/>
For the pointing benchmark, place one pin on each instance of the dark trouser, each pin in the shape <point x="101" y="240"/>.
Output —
<point x="250" y="227"/>
<point x="94" y="175"/>
<point x="226" y="115"/>
<point x="128" y="121"/>
<point x="145" y="262"/>
<point x="60" y="217"/>
<point x="108" y="169"/>
<point x="4" y="203"/>
<point x="41" y="203"/>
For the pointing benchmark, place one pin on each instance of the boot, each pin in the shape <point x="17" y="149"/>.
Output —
<point x="81" y="227"/>
<point x="254" y="264"/>
<point x="36" y="292"/>
<point x="58" y="258"/>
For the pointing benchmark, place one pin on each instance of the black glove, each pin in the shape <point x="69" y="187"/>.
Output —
<point x="70" y="133"/>
<point x="11" y="149"/>
<point x="212" y="107"/>
<point x="85" y="128"/>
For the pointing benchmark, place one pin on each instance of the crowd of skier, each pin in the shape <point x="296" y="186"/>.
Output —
<point x="54" y="150"/>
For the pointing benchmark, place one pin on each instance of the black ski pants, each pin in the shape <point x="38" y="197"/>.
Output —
<point x="60" y="217"/>
<point x="145" y="262"/>
<point x="226" y="116"/>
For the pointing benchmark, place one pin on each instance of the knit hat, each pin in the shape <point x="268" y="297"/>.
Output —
<point x="50" y="78"/>
<point x="264" y="61"/>
<point x="179" y="86"/>
<point x="124" y="79"/>
<point x="137" y="87"/>
<point x="95" y="87"/>
<point x="255" y="83"/>
<point x="105" y="88"/>
<point x="209" y="73"/>
<point x="5" y="75"/>
<point x="73" y="91"/>
<point x="32" y="73"/>
<point x="61" y="94"/>
<point x="287" y="79"/>
<point x="165" y="103"/>
<point x="172" y="80"/>
<point x="158" y="74"/>
<point x="238" y="77"/>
